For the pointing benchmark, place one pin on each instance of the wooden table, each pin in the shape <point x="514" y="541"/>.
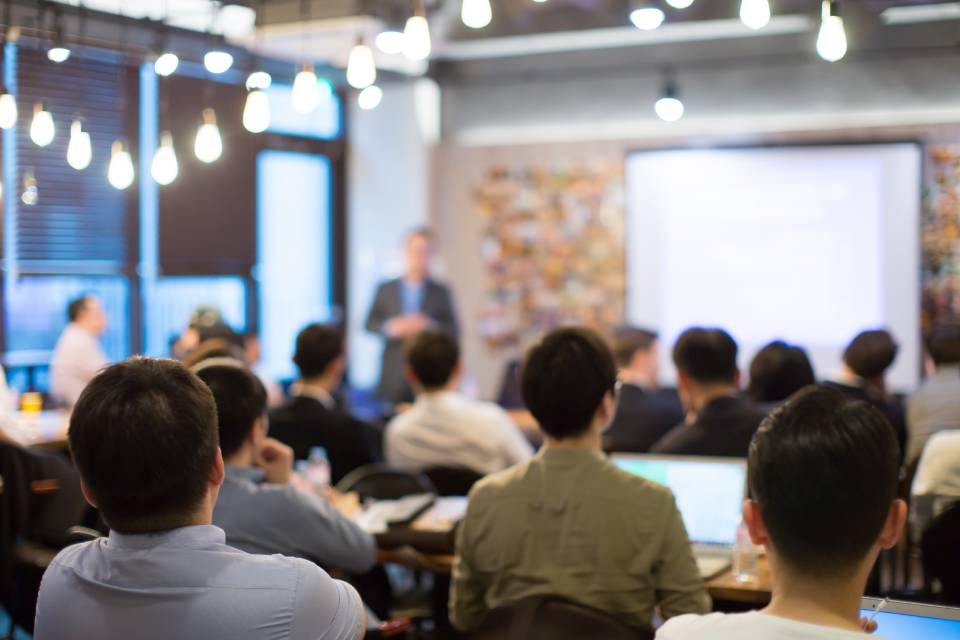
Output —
<point x="725" y="587"/>
<point x="47" y="429"/>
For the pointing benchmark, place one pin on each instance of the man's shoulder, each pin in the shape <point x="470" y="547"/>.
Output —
<point x="502" y="483"/>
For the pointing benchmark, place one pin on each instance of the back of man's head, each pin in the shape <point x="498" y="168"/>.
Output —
<point x="943" y="344"/>
<point x="241" y="399"/>
<point x="318" y="346"/>
<point x="565" y="378"/>
<point x="871" y="353"/>
<point x="823" y="471"/>
<point x="627" y="341"/>
<point x="76" y="307"/>
<point x="144" y="438"/>
<point x="778" y="371"/>
<point x="706" y="356"/>
<point x="433" y="357"/>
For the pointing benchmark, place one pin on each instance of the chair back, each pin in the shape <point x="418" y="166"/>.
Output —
<point x="383" y="482"/>
<point x="555" y="618"/>
<point x="452" y="481"/>
<point x="941" y="554"/>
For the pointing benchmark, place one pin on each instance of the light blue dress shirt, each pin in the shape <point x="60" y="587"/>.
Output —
<point x="187" y="583"/>
<point x="411" y="297"/>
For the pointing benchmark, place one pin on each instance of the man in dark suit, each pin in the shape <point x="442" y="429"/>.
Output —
<point x="644" y="412"/>
<point x="311" y="418"/>
<point x="720" y="421"/>
<point x="404" y="307"/>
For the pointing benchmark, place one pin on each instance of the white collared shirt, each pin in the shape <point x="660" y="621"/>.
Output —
<point x="187" y="583"/>
<point x="318" y="393"/>
<point x="77" y="358"/>
<point x="444" y="428"/>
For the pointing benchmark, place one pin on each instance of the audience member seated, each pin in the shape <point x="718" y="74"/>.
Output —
<point x="936" y="485"/>
<point x="311" y="417"/>
<point x="777" y="372"/>
<point x="823" y="474"/>
<point x="719" y="421"/>
<point x="568" y="522"/>
<point x="443" y="428"/>
<point x="78" y="355"/>
<point x="644" y="413"/>
<point x="144" y="438"/>
<point x="863" y="377"/>
<point x="935" y="406"/>
<point x="259" y="509"/>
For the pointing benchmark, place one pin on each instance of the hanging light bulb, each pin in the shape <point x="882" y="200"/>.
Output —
<point x="416" y="35"/>
<point x="832" y="39"/>
<point x="755" y="13"/>
<point x="669" y="107"/>
<point x="476" y="14"/>
<point x="256" y="111"/>
<point x="390" y="42"/>
<point x="306" y="90"/>
<point x="208" y="145"/>
<point x="79" y="149"/>
<point x="120" y="172"/>
<point x="646" y="17"/>
<point x="165" y="168"/>
<point x="42" y="128"/>
<point x="361" y="68"/>
<point x="166" y="64"/>
<point x="30" y="193"/>
<point x="679" y="4"/>
<point x="58" y="51"/>
<point x="259" y="80"/>
<point x="217" y="61"/>
<point x="8" y="109"/>
<point x="370" y="97"/>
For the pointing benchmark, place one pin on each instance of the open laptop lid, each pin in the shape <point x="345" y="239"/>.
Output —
<point x="709" y="491"/>
<point x="899" y="620"/>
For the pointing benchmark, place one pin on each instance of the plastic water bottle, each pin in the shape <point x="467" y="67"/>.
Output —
<point x="745" y="555"/>
<point x="318" y="468"/>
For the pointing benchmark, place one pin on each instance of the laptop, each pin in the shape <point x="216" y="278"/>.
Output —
<point x="913" y="621"/>
<point x="709" y="493"/>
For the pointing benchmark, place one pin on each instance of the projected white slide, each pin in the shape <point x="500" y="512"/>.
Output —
<point x="807" y="244"/>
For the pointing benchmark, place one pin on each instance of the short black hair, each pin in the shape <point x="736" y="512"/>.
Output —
<point x="824" y="470"/>
<point x="778" y="371"/>
<point x="871" y="353"/>
<point x="708" y="355"/>
<point x="565" y="378"/>
<point x="432" y="355"/>
<point x="144" y="437"/>
<point x="628" y="340"/>
<point x="77" y="306"/>
<point x="943" y="344"/>
<point x="317" y="346"/>
<point x="240" y="397"/>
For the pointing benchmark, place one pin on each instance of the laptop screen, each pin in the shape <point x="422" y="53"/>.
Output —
<point x="709" y="491"/>
<point x="912" y="621"/>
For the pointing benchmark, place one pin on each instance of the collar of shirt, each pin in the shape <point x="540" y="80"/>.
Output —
<point x="316" y="392"/>
<point x="570" y="456"/>
<point x="193" y="537"/>
<point x="249" y="474"/>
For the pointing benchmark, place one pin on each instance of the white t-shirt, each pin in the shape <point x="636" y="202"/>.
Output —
<point x="750" y="626"/>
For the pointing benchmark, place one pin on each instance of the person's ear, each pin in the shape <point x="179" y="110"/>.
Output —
<point x="605" y="411"/>
<point x="894" y="525"/>
<point x="737" y="378"/>
<point x="87" y="495"/>
<point x="755" y="524"/>
<point x="411" y="377"/>
<point x="216" y="471"/>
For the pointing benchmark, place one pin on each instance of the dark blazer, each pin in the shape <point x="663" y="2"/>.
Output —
<point x="437" y="304"/>
<point x="724" y="427"/>
<point x="893" y="412"/>
<point x="642" y="418"/>
<point x="303" y="423"/>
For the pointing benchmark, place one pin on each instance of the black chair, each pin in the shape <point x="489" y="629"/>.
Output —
<point x="452" y="481"/>
<point x="553" y="618"/>
<point x="941" y="554"/>
<point x="383" y="482"/>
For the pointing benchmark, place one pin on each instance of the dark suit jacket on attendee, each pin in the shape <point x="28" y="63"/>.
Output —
<point x="303" y="423"/>
<point x="894" y="412"/>
<point x="724" y="427"/>
<point x="437" y="304"/>
<point x="642" y="418"/>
